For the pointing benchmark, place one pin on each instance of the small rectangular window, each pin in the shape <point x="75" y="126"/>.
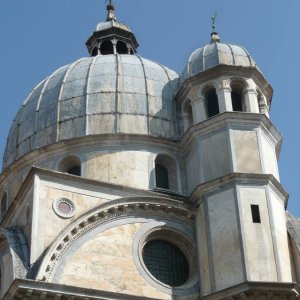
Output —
<point x="255" y="214"/>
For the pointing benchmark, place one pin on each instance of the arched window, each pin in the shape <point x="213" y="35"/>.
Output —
<point x="211" y="102"/>
<point x="106" y="48"/>
<point x="71" y="165"/>
<point x="162" y="177"/>
<point x="166" y="172"/>
<point x="122" y="48"/>
<point x="237" y="96"/>
<point x="3" y="205"/>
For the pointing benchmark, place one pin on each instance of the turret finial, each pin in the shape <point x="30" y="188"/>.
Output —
<point x="111" y="16"/>
<point x="214" y="35"/>
<point x="214" y="18"/>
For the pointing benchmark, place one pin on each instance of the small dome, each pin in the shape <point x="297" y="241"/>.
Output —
<point x="215" y="54"/>
<point x="112" y="24"/>
<point x="96" y="95"/>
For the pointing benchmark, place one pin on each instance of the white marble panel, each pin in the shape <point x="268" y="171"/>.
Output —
<point x="269" y="158"/>
<point x="225" y="245"/>
<point x="257" y="237"/>
<point x="278" y="223"/>
<point x="246" y="152"/>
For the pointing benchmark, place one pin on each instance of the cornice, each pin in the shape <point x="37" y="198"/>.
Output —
<point x="230" y="119"/>
<point x="29" y="289"/>
<point x="249" y="179"/>
<point x="90" y="142"/>
<point x="134" y="140"/>
<point x="84" y="183"/>
<point x="219" y="71"/>
<point x="257" y="290"/>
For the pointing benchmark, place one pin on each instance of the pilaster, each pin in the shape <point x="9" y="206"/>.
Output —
<point x="224" y="98"/>
<point x="199" y="110"/>
<point x="251" y="102"/>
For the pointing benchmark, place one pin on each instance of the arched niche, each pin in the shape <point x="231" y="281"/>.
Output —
<point x="70" y="165"/>
<point x="166" y="176"/>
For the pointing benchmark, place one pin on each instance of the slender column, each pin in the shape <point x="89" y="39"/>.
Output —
<point x="114" y="42"/>
<point x="224" y="99"/>
<point x="199" y="110"/>
<point x="251" y="101"/>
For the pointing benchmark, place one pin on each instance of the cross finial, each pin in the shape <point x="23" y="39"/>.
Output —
<point x="214" y="35"/>
<point x="214" y="18"/>
<point x="110" y="11"/>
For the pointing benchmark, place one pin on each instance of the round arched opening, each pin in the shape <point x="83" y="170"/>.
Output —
<point x="71" y="165"/>
<point x="106" y="48"/>
<point x="212" y="103"/>
<point x="166" y="262"/>
<point x="237" y="98"/>
<point x="122" y="48"/>
<point x="166" y="173"/>
<point x="162" y="177"/>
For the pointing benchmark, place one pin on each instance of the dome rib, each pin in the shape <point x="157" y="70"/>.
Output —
<point x="232" y="53"/>
<point x="248" y="55"/>
<point x="87" y="93"/>
<point x="117" y="94"/>
<point x="147" y="93"/>
<point x="59" y="100"/>
<point x="214" y="54"/>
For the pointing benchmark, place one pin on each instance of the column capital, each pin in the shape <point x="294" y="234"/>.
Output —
<point x="224" y="89"/>
<point x="250" y="91"/>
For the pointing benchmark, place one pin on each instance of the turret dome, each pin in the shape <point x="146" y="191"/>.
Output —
<point x="217" y="53"/>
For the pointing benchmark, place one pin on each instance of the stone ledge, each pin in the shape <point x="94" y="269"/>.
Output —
<point x="258" y="291"/>
<point x="30" y="290"/>
<point x="238" y="178"/>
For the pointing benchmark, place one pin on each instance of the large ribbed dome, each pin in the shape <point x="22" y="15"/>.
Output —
<point x="96" y="95"/>
<point x="215" y="54"/>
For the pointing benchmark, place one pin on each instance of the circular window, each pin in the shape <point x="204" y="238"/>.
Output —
<point x="64" y="208"/>
<point x="165" y="254"/>
<point x="166" y="262"/>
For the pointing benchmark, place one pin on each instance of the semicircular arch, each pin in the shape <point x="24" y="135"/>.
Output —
<point x="163" y="208"/>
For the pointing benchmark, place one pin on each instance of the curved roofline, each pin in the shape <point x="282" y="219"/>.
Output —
<point x="66" y="104"/>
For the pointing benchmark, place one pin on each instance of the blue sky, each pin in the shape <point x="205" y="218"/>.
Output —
<point x="38" y="36"/>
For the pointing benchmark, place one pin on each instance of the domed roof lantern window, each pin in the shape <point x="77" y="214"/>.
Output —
<point x="112" y="37"/>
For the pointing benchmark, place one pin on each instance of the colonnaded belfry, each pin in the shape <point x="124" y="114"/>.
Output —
<point x="125" y="180"/>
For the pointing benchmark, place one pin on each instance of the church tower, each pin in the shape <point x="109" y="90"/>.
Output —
<point x="125" y="180"/>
